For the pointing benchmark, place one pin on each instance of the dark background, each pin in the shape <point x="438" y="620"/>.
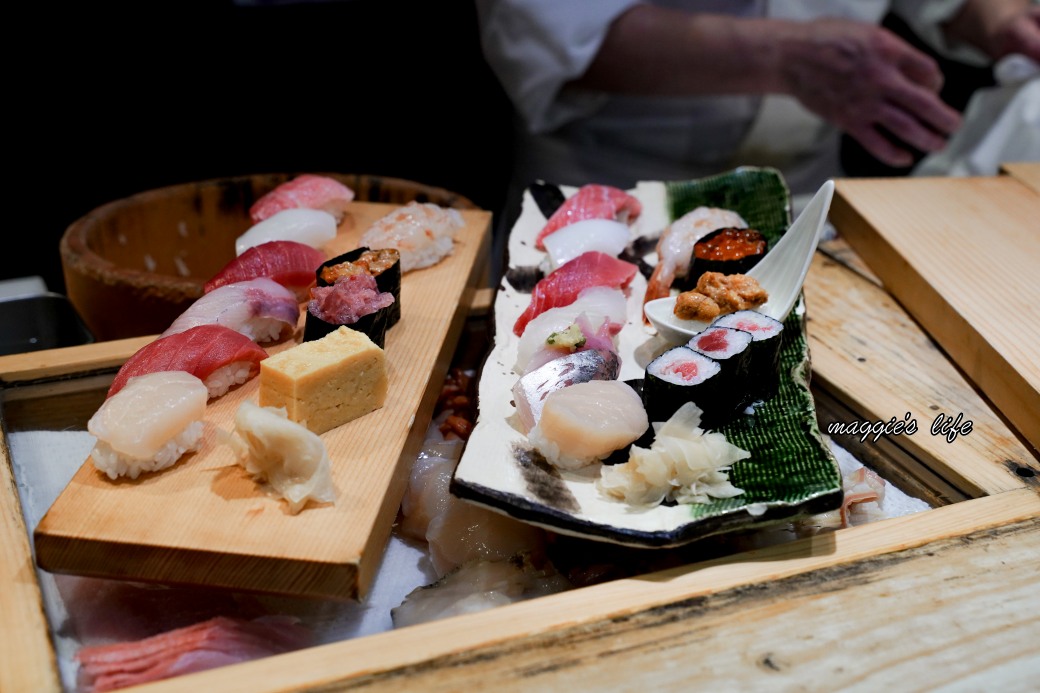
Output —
<point x="115" y="100"/>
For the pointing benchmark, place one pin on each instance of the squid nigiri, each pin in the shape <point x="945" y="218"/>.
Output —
<point x="313" y="227"/>
<point x="290" y="263"/>
<point x="306" y="190"/>
<point x="149" y="424"/>
<point x="261" y="309"/>
<point x="218" y="355"/>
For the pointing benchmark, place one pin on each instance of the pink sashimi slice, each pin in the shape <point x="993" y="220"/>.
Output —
<point x="562" y="286"/>
<point x="308" y="191"/>
<point x="216" y="642"/>
<point x="201" y="351"/>
<point x="591" y="202"/>
<point x="289" y="263"/>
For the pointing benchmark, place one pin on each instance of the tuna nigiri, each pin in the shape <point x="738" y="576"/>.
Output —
<point x="149" y="424"/>
<point x="563" y="285"/>
<point x="261" y="309"/>
<point x="306" y="190"/>
<point x="313" y="227"/>
<point x="290" y="263"/>
<point x="591" y="202"/>
<point x="217" y="355"/>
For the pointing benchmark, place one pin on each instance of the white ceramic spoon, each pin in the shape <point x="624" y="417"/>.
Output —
<point x="781" y="272"/>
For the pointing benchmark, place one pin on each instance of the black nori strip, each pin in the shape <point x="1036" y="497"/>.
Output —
<point x="699" y="266"/>
<point x="387" y="280"/>
<point x="373" y="324"/>
<point x="735" y="372"/>
<point x="547" y="196"/>
<point x="663" y="398"/>
<point x="765" y="351"/>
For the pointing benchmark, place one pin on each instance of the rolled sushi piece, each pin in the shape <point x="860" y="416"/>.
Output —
<point x="731" y="348"/>
<point x="728" y="251"/>
<point x="149" y="424"/>
<point x="355" y="302"/>
<point x="384" y="264"/>
<point x="678" y="376"/>
<point x="767" y="336"/>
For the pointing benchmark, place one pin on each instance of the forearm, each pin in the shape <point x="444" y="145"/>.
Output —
<point x="656" y="50"/>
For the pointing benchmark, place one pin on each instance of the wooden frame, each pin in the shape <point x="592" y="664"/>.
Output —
<point x="943" y="596"/>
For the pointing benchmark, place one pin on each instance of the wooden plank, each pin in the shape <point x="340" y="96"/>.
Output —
<point x="960" y="255"/>
<point x="741" y="619"/>
<point x="204" y="521"/>
<point x="27" y="661"/>
<point x="870" y="354"/>
<point x="1028" y="172"/>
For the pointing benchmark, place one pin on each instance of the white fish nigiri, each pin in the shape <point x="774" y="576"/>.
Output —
<point x="585" y="422"/>
<point x="605" y="235"/>
<point x="311" y="226"/>
<point x="605" y="301"/>
<point x="261" y="309"/>
<point x="149" y="424"/>
<point x="285" y="454"/>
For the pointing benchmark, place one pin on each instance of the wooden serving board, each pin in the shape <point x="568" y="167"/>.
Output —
<point x="961" y="255"/>
<point x="205" y="521"/>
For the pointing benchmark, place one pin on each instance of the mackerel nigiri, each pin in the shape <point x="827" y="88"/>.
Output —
<point x="218" y="356"/>
<point x="261" y="309"/>
<point x="306" y="190"/>
<point x="592" y="202"/>
<point x="563" y="285"/>
<point x="290" y="263"/>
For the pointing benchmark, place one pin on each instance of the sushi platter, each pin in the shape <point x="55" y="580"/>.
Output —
<point x="791" y="472"/>
<point x="205" y="521"/>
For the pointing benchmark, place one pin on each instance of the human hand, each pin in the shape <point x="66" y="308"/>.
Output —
<point x="870" y="83"/>
<point x="1019" y="33"/>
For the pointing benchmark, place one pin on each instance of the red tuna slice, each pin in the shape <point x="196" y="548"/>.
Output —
<point x="216" y="642"/>
<point x="289" y="263"/>
<point x="308" y="191"/>
<point x="591" y="202"/>
<point x="201" y="351"/>
<point x="562" y="286"/>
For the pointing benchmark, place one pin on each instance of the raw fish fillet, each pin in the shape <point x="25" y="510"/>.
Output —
<point x="202" y="351"/>
<point x="313" y="227"/>
<point x="591" y="202"/>
<point x="261" y="309"/>
<point x="563" y="286"/>
<point x="350" y="298"/>
<point x="216" y="642"/>
<point x="530" y="391"/>
<point x="290" y="263"/>
<point x="306" y="190"/>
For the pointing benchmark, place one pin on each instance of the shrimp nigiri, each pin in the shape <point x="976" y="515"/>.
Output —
<point x="675" y="247"/>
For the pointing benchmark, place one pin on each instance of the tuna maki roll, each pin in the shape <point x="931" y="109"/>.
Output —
<point x="732" y="349"/>
<point x="767" y="339"/>
<point x="383" y="264"/>
<point x="678" y="376"/>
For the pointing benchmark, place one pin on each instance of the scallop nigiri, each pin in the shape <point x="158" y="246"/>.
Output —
<point x="220" y="356"/>
<point x="591" y="202"/>
<point x="290" y="263"/>
<point x="313" y="227"/>
<point x="585" y="422"/>
<point x="149" y="424"/>
<point x="261" y="309"/>
<point x="307" y="190"/>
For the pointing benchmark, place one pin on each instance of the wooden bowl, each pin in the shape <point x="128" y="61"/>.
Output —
<point x="133" y="265"/>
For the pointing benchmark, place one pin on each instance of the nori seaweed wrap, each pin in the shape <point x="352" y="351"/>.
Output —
<point x="384" y="264"/>
<point x="354" y="301"/>
<point x="678" y="376"/>
<point x="732" y="349"/>
<point x="729" y="251"/>
<point x="767" y="337"/>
